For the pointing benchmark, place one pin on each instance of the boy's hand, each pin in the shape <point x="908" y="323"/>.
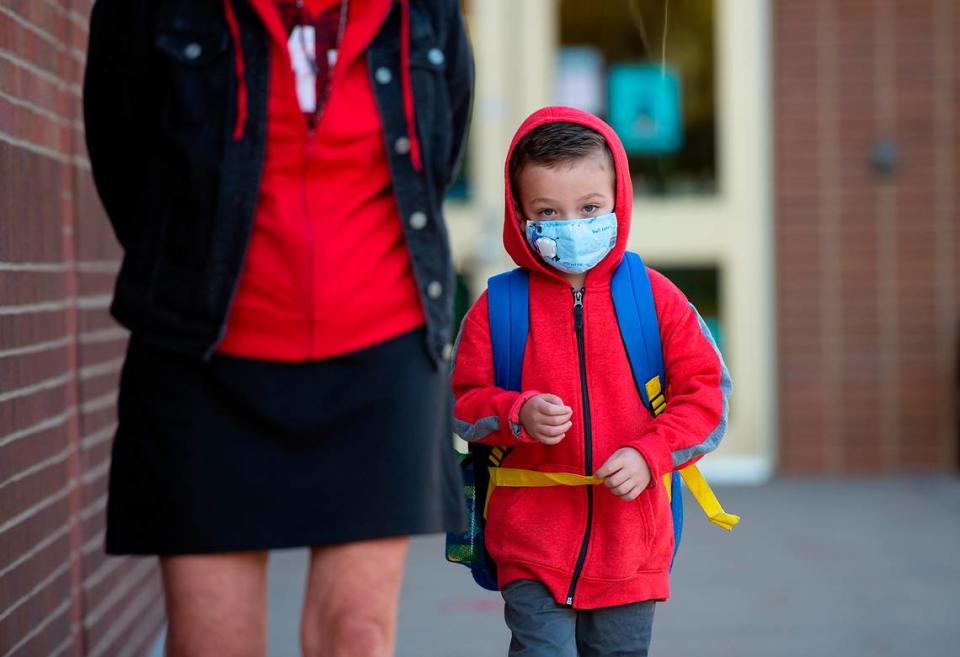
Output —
<point x="625" y="473"/>
<point x="546" y="419"/>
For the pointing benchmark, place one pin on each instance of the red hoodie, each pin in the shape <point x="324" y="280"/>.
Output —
<point x="327" y="270"/>
<point x="537" y="533"/>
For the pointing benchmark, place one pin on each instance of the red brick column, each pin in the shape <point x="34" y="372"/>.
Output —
<point x="60" y="358"/>
<point x="868" y="283"/>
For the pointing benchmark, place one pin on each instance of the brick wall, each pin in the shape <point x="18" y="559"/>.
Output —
<point x="867" y="267"/>
<point x="60" y="356"/>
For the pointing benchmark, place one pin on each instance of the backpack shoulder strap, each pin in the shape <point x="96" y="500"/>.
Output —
<point x="640" y="329"/>
<point x="508" y="306"/>
<point x="508" y="310"/>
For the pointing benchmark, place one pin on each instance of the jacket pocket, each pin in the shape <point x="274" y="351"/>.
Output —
<point x="195" y="74"/>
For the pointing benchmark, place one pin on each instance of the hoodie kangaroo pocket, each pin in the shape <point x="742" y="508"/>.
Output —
<point x="536" y="525"/>
<point x="645" y="501"/>
<point x="620" y="540"/>
<point x="658" y="530"/>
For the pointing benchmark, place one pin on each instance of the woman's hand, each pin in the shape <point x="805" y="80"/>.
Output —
<point x="546" y="419"/>
<point x="625" y="473"/>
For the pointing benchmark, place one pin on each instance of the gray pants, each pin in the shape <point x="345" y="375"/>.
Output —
<point x="542" y="628"/>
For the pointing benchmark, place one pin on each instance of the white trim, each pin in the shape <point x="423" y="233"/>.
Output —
<point x="766" y="297"/>
<point x="736" y="470"/>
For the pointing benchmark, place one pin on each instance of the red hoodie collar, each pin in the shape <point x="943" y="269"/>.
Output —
<point x="275" y="29"/>
<point x="513" y="234"/>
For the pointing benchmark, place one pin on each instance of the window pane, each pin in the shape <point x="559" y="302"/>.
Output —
<point x="610" y="64"/>
<point x="702" y="287"/>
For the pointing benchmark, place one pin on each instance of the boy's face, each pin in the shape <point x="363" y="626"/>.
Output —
<point x="585" y="187"/>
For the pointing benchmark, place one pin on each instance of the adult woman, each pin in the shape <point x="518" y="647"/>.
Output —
<point x="274" y="171"/>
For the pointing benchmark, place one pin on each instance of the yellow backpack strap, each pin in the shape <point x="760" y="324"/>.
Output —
<point x="706" y="499"/>
<point x="517" y="478"/>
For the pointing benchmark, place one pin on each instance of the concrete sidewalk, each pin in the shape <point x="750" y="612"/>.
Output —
<point x="846" y="568"/>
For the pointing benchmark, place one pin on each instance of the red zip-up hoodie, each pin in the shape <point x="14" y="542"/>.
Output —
<point x="327" y="271"/>
<point x="540" y="533"/>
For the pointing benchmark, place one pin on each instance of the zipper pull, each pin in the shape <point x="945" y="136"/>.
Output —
<point x="578" y="309"/>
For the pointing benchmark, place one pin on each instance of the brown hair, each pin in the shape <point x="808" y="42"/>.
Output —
<point x="556" y="143"/>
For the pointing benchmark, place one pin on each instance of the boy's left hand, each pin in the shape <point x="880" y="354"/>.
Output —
<point x="625" y="473"/>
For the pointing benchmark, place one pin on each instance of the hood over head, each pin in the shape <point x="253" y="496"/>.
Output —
<point x="513" y="232"/>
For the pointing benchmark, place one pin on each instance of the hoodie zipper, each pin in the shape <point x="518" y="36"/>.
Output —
<point x="309" y="236"/>
<point x="587" y="438"/>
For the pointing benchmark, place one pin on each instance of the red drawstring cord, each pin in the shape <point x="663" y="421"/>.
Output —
<point x="408" y="85"/>
<point x="238" y="67"/>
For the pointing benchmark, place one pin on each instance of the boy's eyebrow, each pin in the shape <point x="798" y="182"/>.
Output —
<point x="543" y="199"/>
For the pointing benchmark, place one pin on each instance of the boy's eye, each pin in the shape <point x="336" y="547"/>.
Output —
<point x="547" y="212"/>
<point x="590" y="208"/>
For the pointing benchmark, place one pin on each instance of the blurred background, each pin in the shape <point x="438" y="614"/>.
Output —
<point x="795" y="167"/>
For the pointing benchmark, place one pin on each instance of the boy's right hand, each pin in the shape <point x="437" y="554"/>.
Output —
<point x="546" y="419"/>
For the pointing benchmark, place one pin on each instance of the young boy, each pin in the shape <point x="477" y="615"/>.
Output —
<point x="580" y="568"/>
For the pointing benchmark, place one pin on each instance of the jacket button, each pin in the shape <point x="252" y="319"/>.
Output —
<point x="401" y="146"/>
<point x="192" y="50"/>
<point x="434" y="290"/>
<point x="383" y="75"/>
<point x="447" y="351"/>
<point x="418" y="220"/>
<point x="435" y="56"/>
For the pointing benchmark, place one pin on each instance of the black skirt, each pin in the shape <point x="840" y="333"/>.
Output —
<point x="237" y="454"/>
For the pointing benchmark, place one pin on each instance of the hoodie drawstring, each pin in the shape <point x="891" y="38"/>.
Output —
<point x="239" y="69"/>
<point x="408" y="85"/>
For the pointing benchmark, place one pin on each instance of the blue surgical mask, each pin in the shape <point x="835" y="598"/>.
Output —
<point x="573" y="245"/>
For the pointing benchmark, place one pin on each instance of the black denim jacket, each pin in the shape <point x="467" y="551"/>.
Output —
<point x="160" y="109"/>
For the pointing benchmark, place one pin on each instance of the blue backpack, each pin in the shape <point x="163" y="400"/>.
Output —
<point x="508" y="305"/>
